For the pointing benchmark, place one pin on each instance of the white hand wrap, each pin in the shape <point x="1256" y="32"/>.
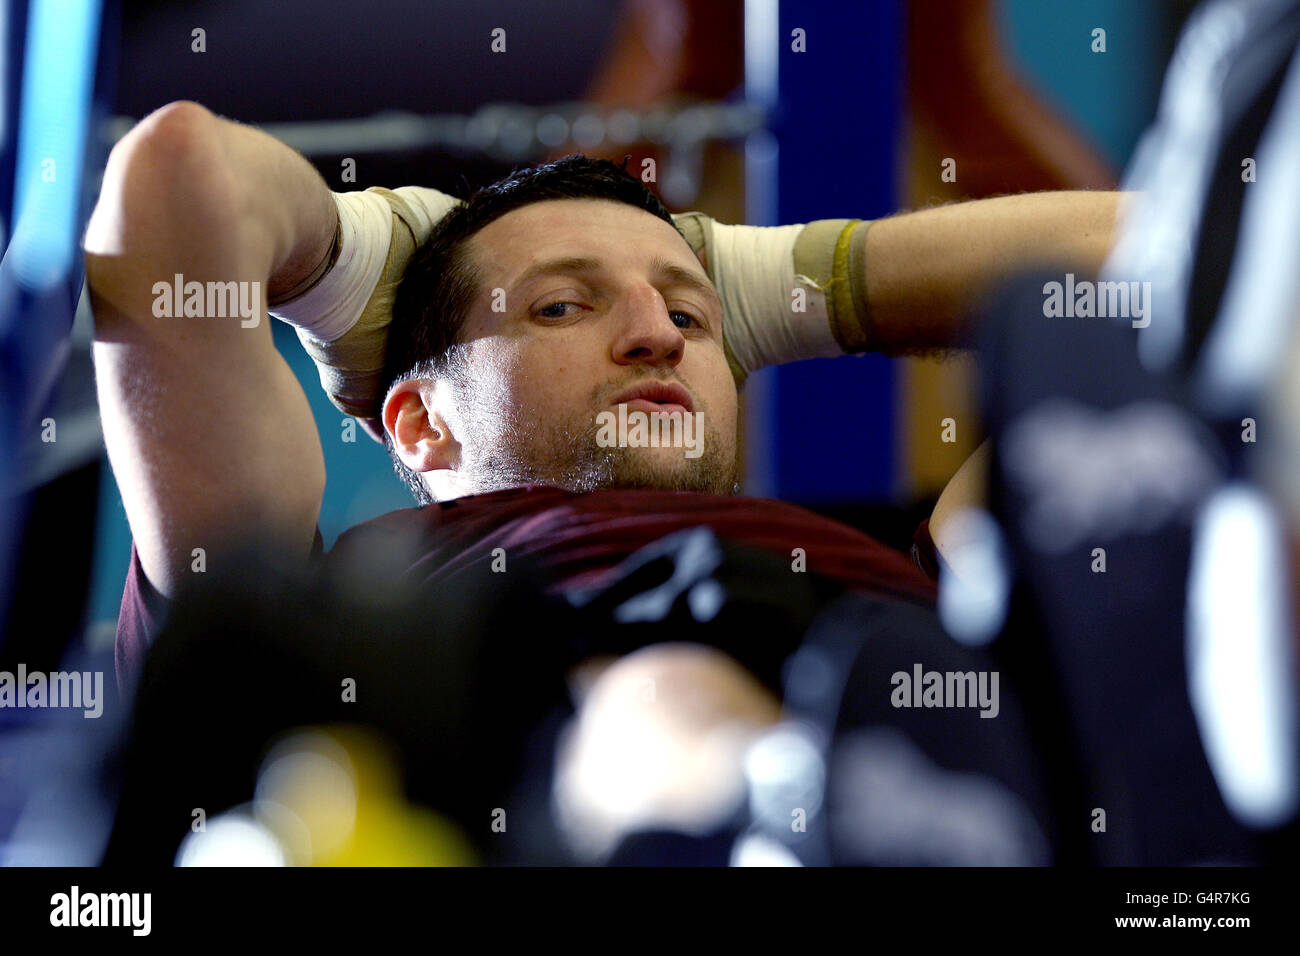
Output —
<point x="788" y="292"/>
<point x="342" y="320"/>
<point x="330" y="308"/>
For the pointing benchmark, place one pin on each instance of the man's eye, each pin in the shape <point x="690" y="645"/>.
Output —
<point x="687" y="316"/>
<point x="556" y="310"/>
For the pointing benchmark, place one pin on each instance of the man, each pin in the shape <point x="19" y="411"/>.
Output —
<point x="523" y="320"/>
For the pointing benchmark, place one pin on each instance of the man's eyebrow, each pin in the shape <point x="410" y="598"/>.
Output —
<point x="662" y="268"/>
<point x="682" y="276"/>
<point x="559" y="266"/>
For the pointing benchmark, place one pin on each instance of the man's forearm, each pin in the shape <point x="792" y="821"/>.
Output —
<point x="926" y="269"/>
<point x="184" y="174"/>
<point x="289" y="195"/>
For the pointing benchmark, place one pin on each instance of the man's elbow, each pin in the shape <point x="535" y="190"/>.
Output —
<point x="165" y="188"/>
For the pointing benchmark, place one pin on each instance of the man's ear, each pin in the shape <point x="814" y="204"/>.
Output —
<point x="418" y="431"/>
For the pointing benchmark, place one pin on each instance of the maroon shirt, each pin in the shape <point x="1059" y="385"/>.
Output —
<point x="577" y="538"/>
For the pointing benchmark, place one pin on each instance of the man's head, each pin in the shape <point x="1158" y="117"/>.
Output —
<point x="534" y="308"/>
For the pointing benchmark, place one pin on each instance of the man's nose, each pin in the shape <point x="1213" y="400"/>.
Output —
<point x="647" y="333"/>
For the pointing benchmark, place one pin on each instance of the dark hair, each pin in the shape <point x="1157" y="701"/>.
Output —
<point x="433" y="298"/>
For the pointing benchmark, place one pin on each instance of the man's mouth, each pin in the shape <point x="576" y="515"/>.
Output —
<point x="663" y="397"/>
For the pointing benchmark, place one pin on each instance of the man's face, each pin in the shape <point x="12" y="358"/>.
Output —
<point x="579" y="302"/>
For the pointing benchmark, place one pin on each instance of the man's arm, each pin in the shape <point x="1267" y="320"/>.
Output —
<point x="897" y="285"/>
<point x="207" y="429"/>
<point x="925" y="269"/>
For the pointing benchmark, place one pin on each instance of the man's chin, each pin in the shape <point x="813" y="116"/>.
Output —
<point x="659" y="469"/>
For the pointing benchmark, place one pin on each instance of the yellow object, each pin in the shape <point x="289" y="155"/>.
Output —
<point x="342" y="790"/>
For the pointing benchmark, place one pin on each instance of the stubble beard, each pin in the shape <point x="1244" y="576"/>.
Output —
<point x="504" y="449"/>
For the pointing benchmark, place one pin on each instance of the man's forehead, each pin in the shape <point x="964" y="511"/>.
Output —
<point x="602" y="231"/>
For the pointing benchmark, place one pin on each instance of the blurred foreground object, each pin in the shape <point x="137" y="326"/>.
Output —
<point x="332" y="796"/>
